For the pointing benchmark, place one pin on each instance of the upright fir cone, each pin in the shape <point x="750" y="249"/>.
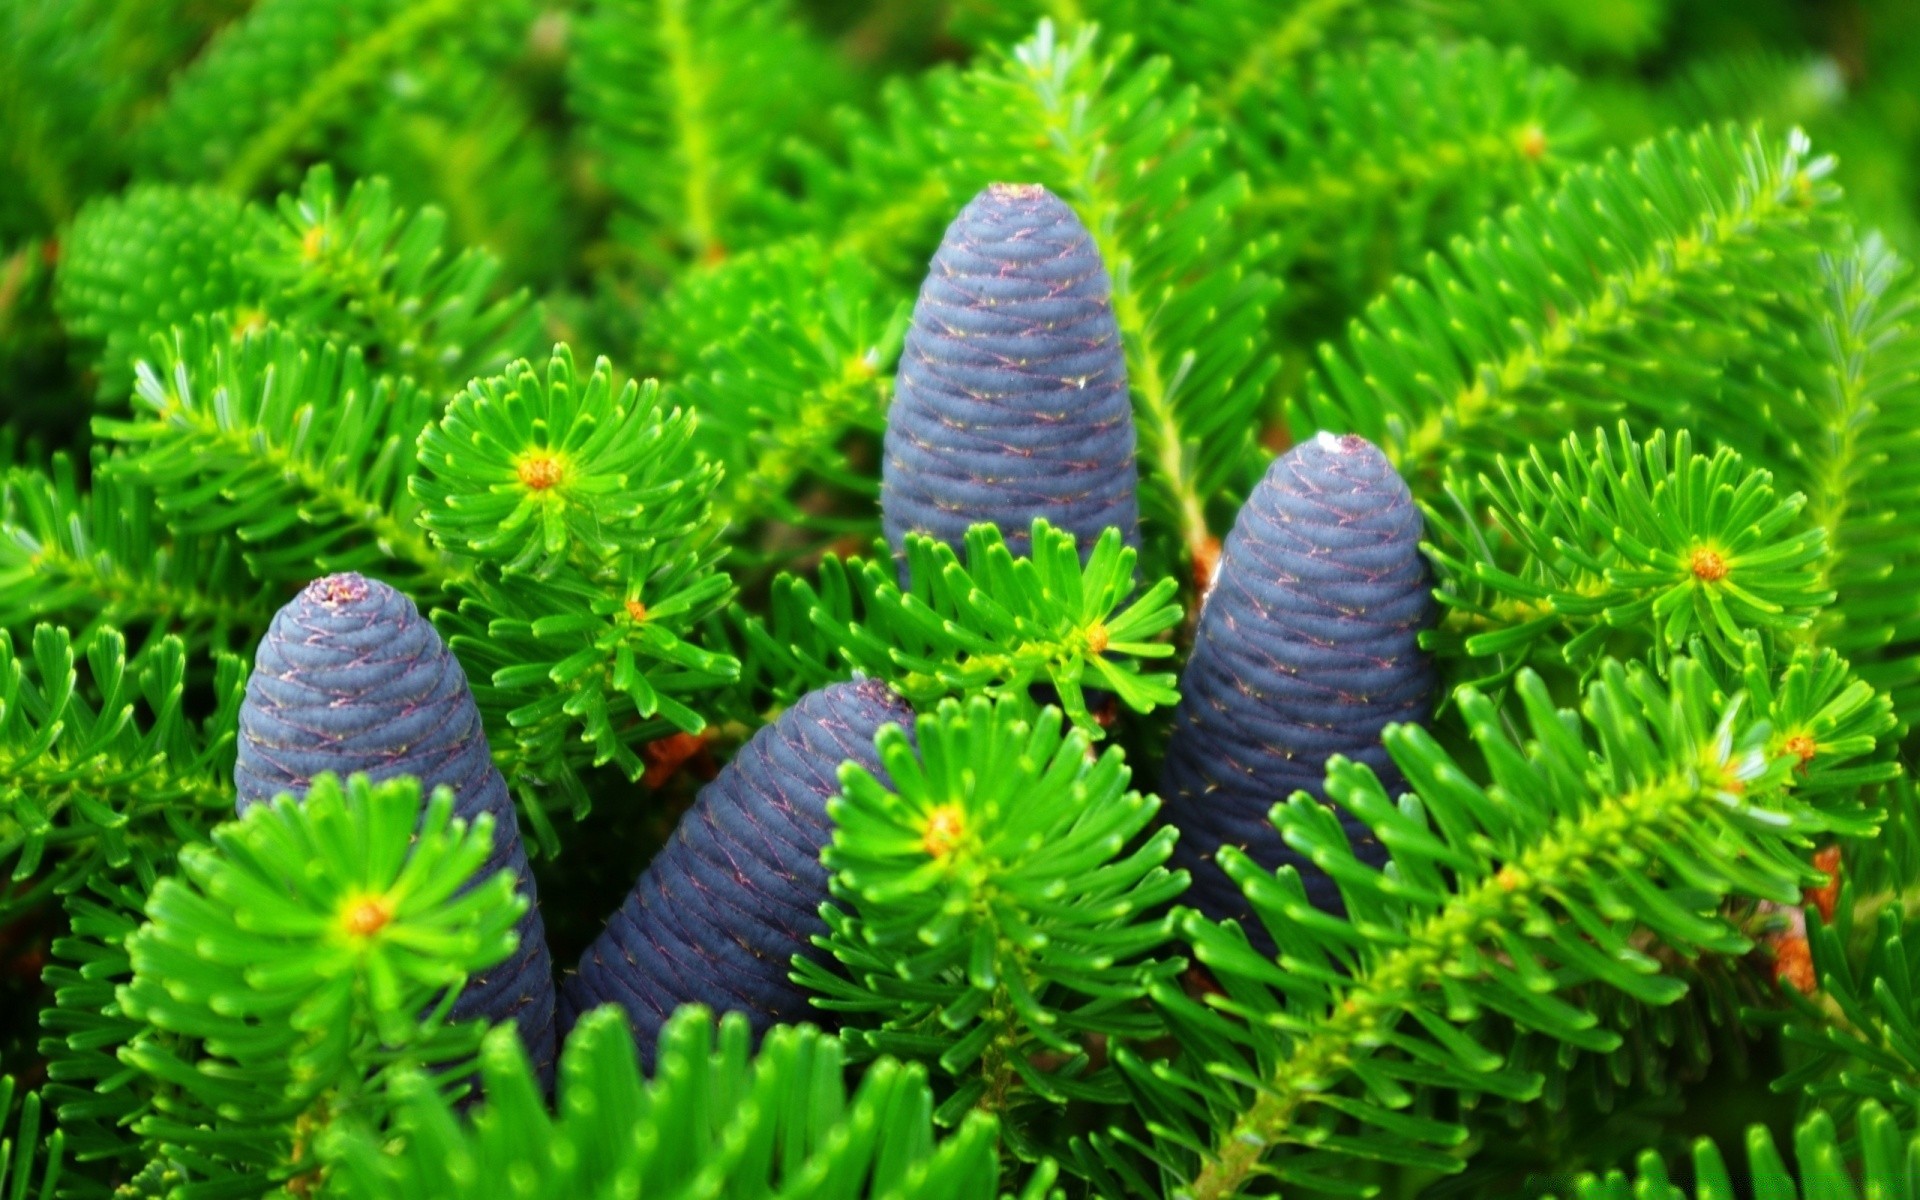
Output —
<point x="1307" y="647"/>
<point x="718" y="915"/>
<point x="350" y="678"/>
<point x="1011" y="401"/>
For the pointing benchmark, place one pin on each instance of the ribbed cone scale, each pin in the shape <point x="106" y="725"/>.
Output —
<point x="1306" y="648"/>
<point x="350" y="678"/>
<point x="735" y="893"/>
<point x="1011" y="401"/>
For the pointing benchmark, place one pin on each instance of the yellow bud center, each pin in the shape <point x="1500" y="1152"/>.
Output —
<point x="541" y="470"/>
<point x="1707" y="565"/>
<point x="366" y="916"/>
<point x="945" y="827"/>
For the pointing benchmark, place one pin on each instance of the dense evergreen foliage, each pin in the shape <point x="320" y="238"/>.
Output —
<point x="959" y="598"/>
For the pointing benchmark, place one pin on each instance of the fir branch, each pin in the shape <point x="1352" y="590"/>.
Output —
<point x="686" y="103"/>
<point x="1236" y="47"/>
<point x="287" y="443"/>
<point x="1824" y="1167"/>
<point x="135" y="264"/>
<point x="372" y="274"/>
<point x="96" y="1097"/>
<point x="881" y="189"/>
<point x="331" y="88"/>
<point x="538" y="473"/>
<point x="792" y="350"/>
<point x="1375" y="156"/>
<point x="1497" y="897"/>
<point x="85" y="788"/>
<point x="727" y="1121"/>
<point x="1852" y="440"/>
<point x="1280" y="44"/>
<point x="1612" y="549"/>
<point x="24" y="1157"/>
<point x="1593" y="299"/>
<point x="1855" y="1027"/>
<point x="449" y="135"/>
<point x="97" y="558"/>
<point x="1000" y="923"/>
<point x="361" y="270"/>
<point x="272" y="80"/>
<point x="311" y="950"/>
<point x="995" y="626"/>
<point x="1397" y="120"/>
<point x="580" y="514"/>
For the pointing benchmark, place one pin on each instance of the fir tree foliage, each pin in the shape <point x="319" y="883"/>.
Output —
<point x="286" y="443"/>
<point x="790" y="351"/>
<point x="1822" y="1159"/>
<point x="994" y="626"/>
<point x="687" y="103"/>
<point x="1627" y="289"/>
<point x="1496" y="898"/>
<point x="356" y="268"/>
<point x="272" y="82"/>
<point x="715" y="1119"/>
<point x="580" y="514"/>
<point x="301" y="954"/>
<point x="1392" y="148"/>
<point x="97" y="557"/>
<point x="373" y="274"/>
<point x="106" y="776"/>
<point x="1622" y="535"/>
<point x="95" y="1095"/>
<point x="1850" y="445"/>
<point x="1003" y="910"/>
<point x="138" y="263"/>
<point x="29" y="1169"/>
<point x="1620" y="289"/>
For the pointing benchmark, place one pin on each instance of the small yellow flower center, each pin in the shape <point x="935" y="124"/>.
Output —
<point x="945" y="827"/>
<point x="313" y="242"/>
<point x="1802" y="747"/>
<point x="637" y="611"/>
<point x="1707" y="565"/>
<point x="366" y="916"/>
<point x="541" y="470"/>
<point x="1533" y="143"/>
<point x="1098" y="638"/>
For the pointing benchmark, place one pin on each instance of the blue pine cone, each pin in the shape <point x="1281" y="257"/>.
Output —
<point x="350" y="678"/>
<point x="1306" y="648"/>
<point x="1011" y="402"/>
<point x="718" y="915"/>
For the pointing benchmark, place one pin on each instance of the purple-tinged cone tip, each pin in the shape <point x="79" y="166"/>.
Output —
<point x="1011" y="401"/>
<point x="1308" y="647"/>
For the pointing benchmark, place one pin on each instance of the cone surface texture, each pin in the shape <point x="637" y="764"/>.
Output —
<point x="350" y="678"/>
<point x="1011" y="401"/>
<point x="1306" y="648"/>
<point x="735" y="893"/>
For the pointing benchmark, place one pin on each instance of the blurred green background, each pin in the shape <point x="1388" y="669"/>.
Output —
<point x="475" y="114"/>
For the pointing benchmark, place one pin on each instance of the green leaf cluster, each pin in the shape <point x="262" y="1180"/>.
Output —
<point x="994" y="626"/>
<point x="715" y="1119"/>
<point x="1001" y="902"/>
